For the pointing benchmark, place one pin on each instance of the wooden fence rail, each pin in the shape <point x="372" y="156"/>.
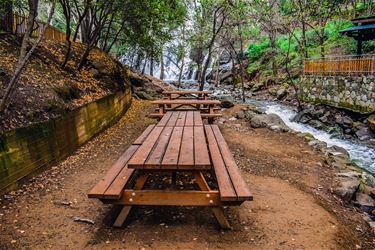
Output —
<point x="344" y="65"/>
<point x="52" y="33"/>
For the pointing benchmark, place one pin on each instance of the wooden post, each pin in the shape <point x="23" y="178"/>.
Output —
<point x="140" y="182"/>
<point x="218" y="211"/>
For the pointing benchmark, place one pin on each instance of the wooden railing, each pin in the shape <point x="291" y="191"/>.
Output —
<point x="52" y="33"/>
<point x="341" y="65"/>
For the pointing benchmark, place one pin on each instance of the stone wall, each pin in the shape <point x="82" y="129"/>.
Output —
<point x="25" y="150"/>
<point x="355" y="93"/>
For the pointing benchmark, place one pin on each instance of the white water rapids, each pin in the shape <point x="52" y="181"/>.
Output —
<point x="362" y="155"/>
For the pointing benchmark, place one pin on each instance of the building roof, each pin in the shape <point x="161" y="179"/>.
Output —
<point x="364" y="29"/>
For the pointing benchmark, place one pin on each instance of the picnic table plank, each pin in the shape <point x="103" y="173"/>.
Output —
<point x="202" y="157"/>
<point x="181" y="118"/>
<point x="189" y="119"/>
<point x="186" y="158"/>
<point x="101" y="187"/>
<point x="172" y="121"/>
<point x="164" y="120"/>
<point x="186" y="102"/>
<point x="144" y="135"/>
<point x="170" y="158"/>
<point x="227" y="192"/>
<point x="197" y="119"/>
<point x="169" y="92"/>
<point x="239" y="184"/>
<point x="156" y="156"/>
<point x="143" y="151"/>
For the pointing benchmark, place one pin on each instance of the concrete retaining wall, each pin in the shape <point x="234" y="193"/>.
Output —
<point x="25" y="150"/>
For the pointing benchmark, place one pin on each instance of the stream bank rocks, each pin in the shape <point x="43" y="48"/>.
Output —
<point x="352" y="185"/>
<point x="338" y="123"/>
<point x="259" y="119"/>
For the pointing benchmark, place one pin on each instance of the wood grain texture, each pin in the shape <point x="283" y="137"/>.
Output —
<point x="227" y="191"/>
<point x="186" y="158"/>
<point x="156" y="156"/>
<point x="171" y="155"/>
<point x="140" y="157"/>
<point x="144" y="135"/>
<point x="118" y="170"/>
<point x="202" y="157"/>
<point x="239" y="184"/>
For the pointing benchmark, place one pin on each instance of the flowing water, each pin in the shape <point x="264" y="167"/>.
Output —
<point x="362" y="155"/>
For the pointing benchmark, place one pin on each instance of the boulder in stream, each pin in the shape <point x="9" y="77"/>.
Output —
<point x="268" y="121"/>
<point x="226" y="101"/>
<point x="364" y="134"/>
<point x="258" y="86"/>
<point x="364" y="202"/>
<point x="346" y="189"/>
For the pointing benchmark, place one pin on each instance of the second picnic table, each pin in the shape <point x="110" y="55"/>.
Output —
<point x="190" y="94"/>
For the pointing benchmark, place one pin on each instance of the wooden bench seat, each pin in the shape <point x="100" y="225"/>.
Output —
<point x="232" y="186"/>
<point x="111" y="186"/>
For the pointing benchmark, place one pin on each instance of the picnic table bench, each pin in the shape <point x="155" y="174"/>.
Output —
<point x="187" y="94"/>
<point x="180" y="142"/>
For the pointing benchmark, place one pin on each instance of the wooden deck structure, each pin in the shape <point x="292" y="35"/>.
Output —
<point x="52" y="33"/>
<point x="179" y="142"/>
<point x="341" y="65"/>
<point x="363" y="29"/>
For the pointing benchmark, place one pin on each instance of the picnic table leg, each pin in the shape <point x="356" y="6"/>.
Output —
<point x="174" y="179"/>
<point x="140" y="182"/>
<point x="211" y="111"/>
<point x="161" y="109"/>
<point x="218" y="211"/>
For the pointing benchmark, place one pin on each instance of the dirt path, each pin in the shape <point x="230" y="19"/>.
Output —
<point x="280" y="169"/>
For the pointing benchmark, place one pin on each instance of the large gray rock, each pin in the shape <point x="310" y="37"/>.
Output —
<point x="368" y="179"/>
<point x="304" y="116"/>
<point x="364" y="202"/>
<point x="226" y="101"/>
<point x="347" y="188"/>
<point x="316" y="124"/>
<point x="240" y="114"/>
<point x="281" y="93"/>
<point x="371" y="122"/>
<point x="364" y="133"/>
<point x="258" y="86"/>
<point x="268" y="121"/>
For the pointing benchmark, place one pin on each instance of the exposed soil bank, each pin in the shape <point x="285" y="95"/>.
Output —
<point x="293" y="207"/>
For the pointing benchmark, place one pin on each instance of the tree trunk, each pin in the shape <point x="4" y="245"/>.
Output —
<point x="321" y="42"/>
<point x="33" y="5"/>
<point x="152" y="65"/>
<point x="83" y="60"/>
<point x="161" y="66"/>
<point x="181" y="71"/>
<point x="33" y="13"/>
<point x="241" y="64"/>
<point x="217" y="80"/>
<point x="68" y="32"/>
<point x="144" y="66"/>
<point x="204" y="71"/>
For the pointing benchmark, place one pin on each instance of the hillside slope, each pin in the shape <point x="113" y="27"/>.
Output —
<point x="46" y="91"/>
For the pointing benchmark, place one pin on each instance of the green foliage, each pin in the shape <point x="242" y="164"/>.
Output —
<point x="256" y="50"/>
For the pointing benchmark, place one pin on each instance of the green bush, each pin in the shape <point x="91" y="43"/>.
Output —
<point x="256" y="50"/>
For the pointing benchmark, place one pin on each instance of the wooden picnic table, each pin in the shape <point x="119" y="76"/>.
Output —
<point x="187" y="94"/>
<point x="180" y="142"/>
<point x="176" y="142"/>
<point x="206" y="107"/>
